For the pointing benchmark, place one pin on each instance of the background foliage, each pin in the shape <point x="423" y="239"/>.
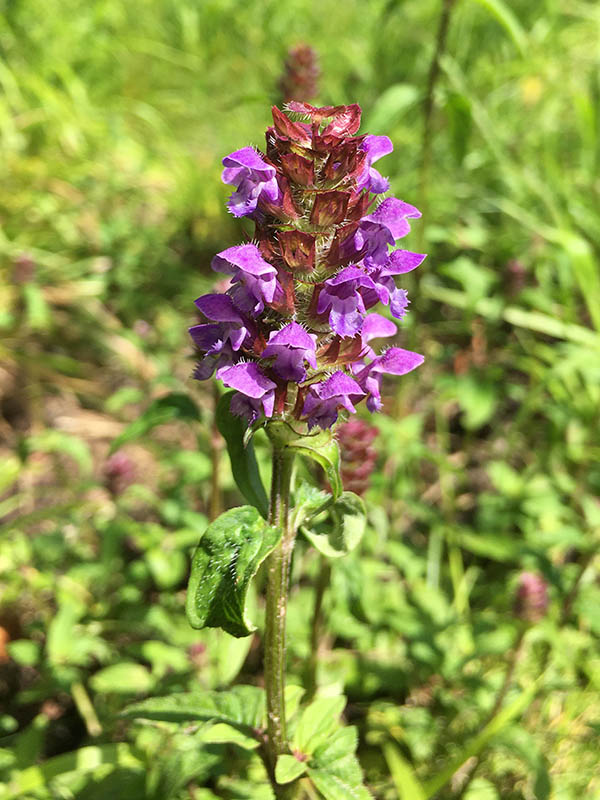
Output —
<point x="114" y="118"/>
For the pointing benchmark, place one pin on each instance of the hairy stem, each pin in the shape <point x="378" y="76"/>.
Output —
<point x="278" y="574"/>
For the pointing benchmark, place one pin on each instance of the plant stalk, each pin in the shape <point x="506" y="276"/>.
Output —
<point x="278" y="575"/>
<point x="429" y="101"/>
<point x="317" y="628"/>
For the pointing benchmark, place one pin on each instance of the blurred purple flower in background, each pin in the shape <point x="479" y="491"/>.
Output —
<point x="531" y="599"/>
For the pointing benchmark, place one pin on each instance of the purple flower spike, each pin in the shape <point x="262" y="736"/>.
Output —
<point x="291" y="347"/>
<point x="344" y="295"/>
<point x="375" y="147"/>
<point x="299" y="300"/>
<point x="256" y="393"/>
<point x="394" y="361"/>
<point x="255" y="278"/>
<point x="252" y="178"/>
<point x="531" y="601"/>
<point x="324" y="399"/>
<point x="386" y="224"/>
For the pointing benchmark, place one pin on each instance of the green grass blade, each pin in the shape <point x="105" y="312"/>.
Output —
<point x="408" y="786"/>
<point x="493" y="728"/>
<point x="506" y="17"/>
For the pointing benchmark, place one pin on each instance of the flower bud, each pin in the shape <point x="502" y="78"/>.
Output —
<point x="301" y="76"/>
<point x="357" y="453"/>
<point x="531" y="599"/>
<point x="119" y="473"/>
<point x="23" y="269"/>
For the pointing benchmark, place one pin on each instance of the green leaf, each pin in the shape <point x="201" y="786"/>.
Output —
<point x="37" y="311"/>
<point x="317" y="722"/>
<point x="228" y="556"/>
<point x="243" y="461"/>
<point x="164" y="658"/>
<point x="308" y="502"/>
<point x="506" y="480"/>
<point x="407" y="784"/>
<point x="242" y="706"/>
<point x="124" y="678"/>
<point x="340" y="781"/>
<point x="54" y="441"/>
<point x="490" y="545"/>
<point x="24" y="652"/>
<point x="288" y="769"/>
<point x="29" y="744"/>
<point x="10" y="468"/>
<point x="391" y="105"/>
<point x="478" y="400"/>
<point x="482" y="789"/>
<point x="322" y="448"/>
<point x="173" y="406"/>
<point x="340" y="744"/>
<point x="176" y="761"/>
<point x="293" y="696"/>
<point x="342" y="531"/>
<point x="61" y="635"/>
<point x="168" y="567"/>
<point x="85" y="759"/>
<point x="223" y="733"/>
<point x="334" y="768"/>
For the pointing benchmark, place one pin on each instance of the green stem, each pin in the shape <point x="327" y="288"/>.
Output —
<point x="316" y="633"/>
<point x="86" y="709"/>
<point x="572" y="596"/>
<point x="278" y="574"/>
<point x="429" y="101"/>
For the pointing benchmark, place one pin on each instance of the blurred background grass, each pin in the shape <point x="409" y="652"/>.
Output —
<point x="113" y="119"/>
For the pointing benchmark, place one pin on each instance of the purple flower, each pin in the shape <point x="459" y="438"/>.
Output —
<point x="252" y="178"/>
<point x="394" y="361"/>
<point x="254" y="278"/>
<point x="344" y="296"/>
<point x="398" y="262"/>
<point x="386" y="224"/>
<point x="375" y="327"/>
<point x="375" y="147"/>
<point x="255" y="392"/>
<point x="291" y="347"/>
<point x="324" y="399"/>
<point x="221" y="338"/>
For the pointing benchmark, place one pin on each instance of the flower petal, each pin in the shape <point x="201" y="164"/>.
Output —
<point x="245" y="257"/>
<point x="247" y="378"/>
